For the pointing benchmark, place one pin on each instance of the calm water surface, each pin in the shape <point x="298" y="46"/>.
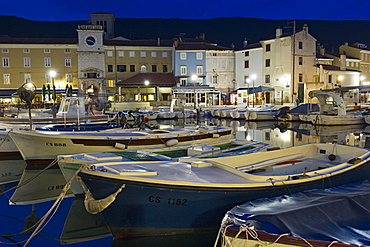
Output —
<point x="70" y="225"/>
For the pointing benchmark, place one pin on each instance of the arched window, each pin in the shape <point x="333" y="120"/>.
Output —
<point x="143" y="68"/>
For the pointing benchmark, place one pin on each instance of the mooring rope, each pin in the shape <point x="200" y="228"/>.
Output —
<point x="42" y="222"/>
<point x="250" y="231"/>
<point x="7" y="134"/>
<point x="54" y="208"/>
<point x="31" y="178"/>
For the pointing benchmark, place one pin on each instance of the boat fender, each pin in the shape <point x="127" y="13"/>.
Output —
<point x="332" y="157"/>
<point x="171" y="142"/>
<point x="120" y="145"/>
<point x="96" y="206"/>
<point x="216" y="135"/>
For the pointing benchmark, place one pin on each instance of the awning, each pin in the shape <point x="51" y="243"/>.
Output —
<point x="258" y="89"/>
<point x="7" y="93"/>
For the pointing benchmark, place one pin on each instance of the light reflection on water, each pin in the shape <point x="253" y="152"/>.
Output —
<point x="71" y="223"/>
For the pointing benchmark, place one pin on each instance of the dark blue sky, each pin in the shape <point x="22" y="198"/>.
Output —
<point x="67" y="10"/>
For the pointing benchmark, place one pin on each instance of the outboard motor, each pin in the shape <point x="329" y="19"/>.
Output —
<point x="282" y="112"/>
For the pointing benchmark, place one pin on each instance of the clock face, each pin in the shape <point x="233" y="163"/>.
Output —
<point x="90" y="40"/>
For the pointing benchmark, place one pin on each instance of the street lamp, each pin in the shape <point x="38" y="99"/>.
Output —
<point x="147" y="84"/>
<point x="27" y="92"/>
<point x="194" y="78"/>
<point x="52" y="74"/>
<point x="340" y="79"/>
<point x="248" y="80"/>
<point x="253" y="78"/>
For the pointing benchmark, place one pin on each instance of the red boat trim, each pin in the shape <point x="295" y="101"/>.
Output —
<point x="263" y="236"/>
<point x="149" y="141"/>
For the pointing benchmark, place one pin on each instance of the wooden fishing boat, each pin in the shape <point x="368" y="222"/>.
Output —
<point x="42" y="147"/>
<point x="69" y="164"/>
<point x="11" y="161"/>
<point x="140" y="199"/>
<point x="331" y="217"/>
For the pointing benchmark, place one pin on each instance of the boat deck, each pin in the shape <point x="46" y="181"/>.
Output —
<point x="209" y="173"/>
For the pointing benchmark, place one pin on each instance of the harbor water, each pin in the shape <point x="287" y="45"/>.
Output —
<point x="65" y="222"/>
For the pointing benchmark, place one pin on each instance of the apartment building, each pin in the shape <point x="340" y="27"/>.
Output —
<point x="288" y="63"/>
<point x="31" y="60"/>
<point x="91" y="63"/>
<point x="360" y="61"/>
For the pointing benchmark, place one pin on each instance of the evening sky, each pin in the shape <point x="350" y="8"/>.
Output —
<point x="75" y="10"/>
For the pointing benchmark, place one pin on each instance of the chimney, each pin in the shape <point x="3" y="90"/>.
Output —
<point x="342" y="60"/>
<point x="176" y="42"/>
<point x="322" y="51"/>
<point x="279" y="32"/>
<point x="158" y="41"/>
<point x="305" y="27"/>
<point x="245" y="43"/>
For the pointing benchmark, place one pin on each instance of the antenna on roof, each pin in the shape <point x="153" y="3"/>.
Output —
<point x="290" y="25"/>
<point x="180" y="35"/>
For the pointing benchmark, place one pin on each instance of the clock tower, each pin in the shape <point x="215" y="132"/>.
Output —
<point x="91" y="62"/>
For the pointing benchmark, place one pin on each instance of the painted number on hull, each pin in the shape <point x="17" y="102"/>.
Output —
<point x="171" y="201"/>
<point x="56" y="187"/>
<point x="50" y="144"/>
<point x="177" y="201"/>
<point x="6" y="174"/>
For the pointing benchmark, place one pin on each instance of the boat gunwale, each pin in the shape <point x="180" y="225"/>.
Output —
<point x="265" y="237"/>
<point x="248" y="185"/>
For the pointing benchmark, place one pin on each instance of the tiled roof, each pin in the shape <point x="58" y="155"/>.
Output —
<point x="199" y="46"/>
<point x="334" y="68"/>
<point x="283" y="35"/>
<point x="155" y="79"/>
<point x="38" y="41"/>
<point x="250" y="46"/>
<point x="118" y="42"/>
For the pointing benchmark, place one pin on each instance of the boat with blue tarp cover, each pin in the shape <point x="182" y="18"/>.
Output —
<point x="141" y="199"/>
<point x="322" y="217"/>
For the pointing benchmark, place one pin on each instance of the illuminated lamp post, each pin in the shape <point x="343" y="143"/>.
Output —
<point x="248" y="80"/>
<point x="194" y="78"/>
<point x="52" y="74"/>
<point x="147" y="84"/>
<point x="253" y="78"/>
<point x="339" y="79"/>
<point x="27" y="93"/>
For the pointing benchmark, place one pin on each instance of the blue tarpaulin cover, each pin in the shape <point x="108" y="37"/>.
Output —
<point x="305" y="108"/>
<point x="337" y="214"/>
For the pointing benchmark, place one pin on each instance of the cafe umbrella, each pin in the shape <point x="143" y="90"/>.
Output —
<point x="54" y="93"/>
<point x="49" y="93"/>
<point x="43" y="93"/>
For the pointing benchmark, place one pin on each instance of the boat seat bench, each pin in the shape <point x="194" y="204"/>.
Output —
<point x="276" y="161"/>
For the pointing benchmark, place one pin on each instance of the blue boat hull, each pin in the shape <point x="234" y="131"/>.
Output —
<point x="142" y="210"/>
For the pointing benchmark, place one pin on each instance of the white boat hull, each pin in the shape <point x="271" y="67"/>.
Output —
<point x="39" y="146"/>
<point x="320" y="119"/>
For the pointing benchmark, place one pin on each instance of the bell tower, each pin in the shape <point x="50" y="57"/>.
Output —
<point x="91" y="60"/>
<point x="106" y="20"/>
